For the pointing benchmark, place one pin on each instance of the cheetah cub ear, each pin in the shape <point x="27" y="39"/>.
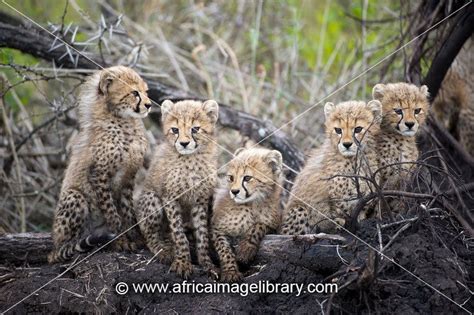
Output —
<point x="328" y="109"/>
<point x="166" y="108"/>
<point x="212" y="110"/>
<point x="106" y="79"/>
<point x="424" y="90"/>
<point x="378" y="91"/>
<point x="275" y="160"/>
<point x="375" y="107"/>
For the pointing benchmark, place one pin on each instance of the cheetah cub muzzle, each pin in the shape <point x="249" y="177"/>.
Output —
<point x="247" y="209"/>
<point x="330" y="185"/>
<point x="180" y="184"/>
<point x="95" y="203"/>
<point x="404" y="109"/>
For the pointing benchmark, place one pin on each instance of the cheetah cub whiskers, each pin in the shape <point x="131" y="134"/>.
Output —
<point x="180" y="184"/>
<point x="96" y="194"/>
<point x="247" y="209"/>
<point x="404" y="109"/>
<point x="327" y="188"/>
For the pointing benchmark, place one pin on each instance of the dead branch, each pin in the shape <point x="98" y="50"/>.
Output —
<point x="39" y="43"/>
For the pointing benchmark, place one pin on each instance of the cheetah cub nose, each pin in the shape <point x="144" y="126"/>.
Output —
<point x="184" y="144"/>
<point x="347" y="144"/>
<point x="409" y="124"/>
<point x="147" y="106"/>
<point x="235" y="191"/>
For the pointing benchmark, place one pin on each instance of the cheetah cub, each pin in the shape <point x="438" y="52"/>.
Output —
<point x="180" y="184"/>
<point x="328" y="187"/>
<point x="96" y="193"/>
<point x="248" y="208"/>
<point x="404" y="108"/>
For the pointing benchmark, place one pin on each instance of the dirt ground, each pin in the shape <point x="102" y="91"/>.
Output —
<point x="431" y="251"/>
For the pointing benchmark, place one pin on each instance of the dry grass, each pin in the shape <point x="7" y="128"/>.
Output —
<point x="249" y="54"/>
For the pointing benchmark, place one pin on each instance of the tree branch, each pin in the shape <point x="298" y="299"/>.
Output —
<point x="38" y="43"/>
<point x="462" y="29"/>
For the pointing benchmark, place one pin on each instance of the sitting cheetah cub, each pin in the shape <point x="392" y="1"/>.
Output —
<point x="180" y="184"/>
<point x="404" y="108"/>
<point x="327" y="189"/>
<point x="96" y="193"/>
<point x="248" y="209"/>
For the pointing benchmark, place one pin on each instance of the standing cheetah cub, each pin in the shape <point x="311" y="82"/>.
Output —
<point x="180" y="184"/>
<point x="327" y="187"/>
<point x="96" y="194"/>
<point x="248" y="209"/>
<point x="404" y="108"/>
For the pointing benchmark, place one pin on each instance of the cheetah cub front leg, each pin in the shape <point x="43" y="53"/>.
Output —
<point x="248" y="247"/>
<point x="200" y="221"/>
<point x="229" y="268"/>
<point x="181" y="181"/>
<point x="247" y="209"/>
<point x="182" y="257"/>
<point x="151" y="218"/>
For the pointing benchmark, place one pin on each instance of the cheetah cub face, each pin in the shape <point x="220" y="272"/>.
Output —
<point x="251" y="175"/>
<point x="404" y="106"/>
<point x="189" y="125"/>
<point x="124" y="92"/>
<point x="348" y="123"/>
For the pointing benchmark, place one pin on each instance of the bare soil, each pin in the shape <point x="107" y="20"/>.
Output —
<point x="90" y="287"/>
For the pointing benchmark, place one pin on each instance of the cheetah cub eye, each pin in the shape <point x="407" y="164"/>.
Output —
<point x="398" y="111"/>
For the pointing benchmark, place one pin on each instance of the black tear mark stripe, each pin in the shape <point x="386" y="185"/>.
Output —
<point x="401" y="107"/>
<point x="137" y="109"/>
<point x="245" y="188"/>
<point x="177" y="136"/>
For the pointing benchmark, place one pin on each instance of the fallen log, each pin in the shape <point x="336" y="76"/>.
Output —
<point x="319" y="255"/>
<point x="22" y="248"/>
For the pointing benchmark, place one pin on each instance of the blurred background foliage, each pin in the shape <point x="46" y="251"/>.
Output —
<point x="273" y="59"/>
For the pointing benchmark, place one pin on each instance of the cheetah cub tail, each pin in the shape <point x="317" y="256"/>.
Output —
<point x="86" y="244"/>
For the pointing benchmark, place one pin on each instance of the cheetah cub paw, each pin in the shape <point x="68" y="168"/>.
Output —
<point x="124" y="244"/>
<point x="246" y="252"/>
<point x="183" y="268"/>
<point x="231" y="275"/>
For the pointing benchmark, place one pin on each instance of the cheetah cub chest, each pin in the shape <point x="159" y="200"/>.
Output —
<point x="180" y="185"/>
<point x="404" y="108"/>
<point x="247" y="209"/>
<point x="332" y="180"/>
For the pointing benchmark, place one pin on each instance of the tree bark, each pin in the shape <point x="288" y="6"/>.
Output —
<point x="38" y="43"/>
<point x="462" y="29"/>
<point x="33" y="248"/>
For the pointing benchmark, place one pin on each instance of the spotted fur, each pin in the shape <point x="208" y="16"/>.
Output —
<point x="326" y="189"/>
<point x="247" y="209"/>
<point x="404" y="109"/>
<point x="454" y="107"/>
<point x="180" y="185"/>
<point x="96" y="193"/>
